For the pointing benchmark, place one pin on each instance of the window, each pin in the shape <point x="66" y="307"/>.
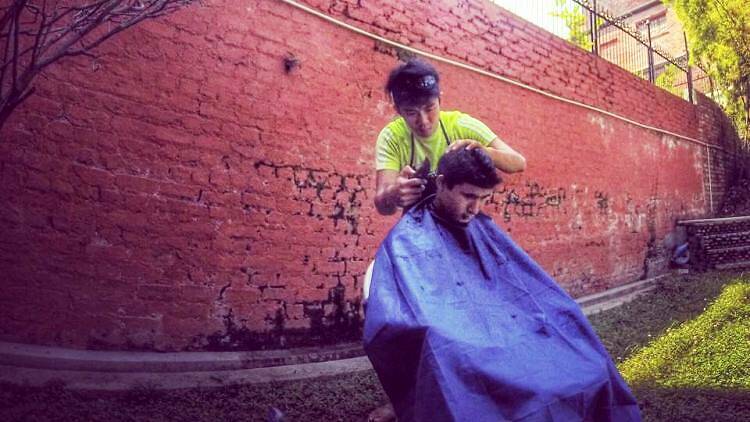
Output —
<point x="658" y="25"/>
<point x="608" y="43"/>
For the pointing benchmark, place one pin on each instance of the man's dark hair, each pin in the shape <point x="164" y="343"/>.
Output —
<point x="412" y="83"/>
<point x="473" y="166"/>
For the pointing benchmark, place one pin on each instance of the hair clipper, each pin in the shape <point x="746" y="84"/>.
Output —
<point x="423" y="172"/>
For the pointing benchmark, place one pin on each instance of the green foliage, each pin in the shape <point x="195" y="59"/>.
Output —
<point x="668" y="79"/>
<point x="719" y="36"/>
<point x="575" y="20"/>
<point x="676" y="299"/>
<point x="709" y="352"/>
<point x="631" y="327"/>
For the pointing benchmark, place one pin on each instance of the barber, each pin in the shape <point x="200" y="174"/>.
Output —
<point x="423" y="132"/>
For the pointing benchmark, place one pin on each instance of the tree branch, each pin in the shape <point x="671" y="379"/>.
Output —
<point x="16" y="21"/>
<point x="75" y="34"/>
<point x="38" y="38"/>
<point x="35" y="36"/>
<point x="6" y="50"/>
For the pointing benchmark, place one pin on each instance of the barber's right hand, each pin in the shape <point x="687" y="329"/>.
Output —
<point x="410" y="187"/>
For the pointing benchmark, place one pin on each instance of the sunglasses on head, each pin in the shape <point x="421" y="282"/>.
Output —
<point x="424" y="82"/>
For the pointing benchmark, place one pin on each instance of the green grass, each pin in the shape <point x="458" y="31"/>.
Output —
<point x="684" y="348"/>
<point x="699" y="379"/>
<point x="710" y="351"/>
<point x="676" y="299"/>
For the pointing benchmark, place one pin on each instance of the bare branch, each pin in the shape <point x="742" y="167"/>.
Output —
<point x="36" y="34"/>
<point x="112" y="33"/>
<point x="38" y="40"/>
<point x="16" y="21"/>
<point x="76" y="33"/>
<point x="7" y="107"/>
<point x="9" y="11"/>
<point x="6" y="51"/>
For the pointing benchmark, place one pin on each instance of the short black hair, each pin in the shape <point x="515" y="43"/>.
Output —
<point x="472" y="166"/>
<point x="412" y="83"/>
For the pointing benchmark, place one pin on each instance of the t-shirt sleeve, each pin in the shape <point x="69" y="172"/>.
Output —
<point x="386" y="151"/>
<point x="471" y="128"/>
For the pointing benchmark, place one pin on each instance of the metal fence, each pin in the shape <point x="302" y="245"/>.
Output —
<point x="634" y="43"/>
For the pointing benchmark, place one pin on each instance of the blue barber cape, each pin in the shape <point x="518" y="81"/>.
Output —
<point x="462" y="325"/>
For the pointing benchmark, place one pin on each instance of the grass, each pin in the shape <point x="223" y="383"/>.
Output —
<point x="675" y="300"/>
<point x="342" y="398"/>
<point x="685" y="349"/>
<point x="710" y="351"/>
<point x="674" y="377"/>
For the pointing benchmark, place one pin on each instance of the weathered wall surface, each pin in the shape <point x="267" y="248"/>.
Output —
<point x="208" y="180"/>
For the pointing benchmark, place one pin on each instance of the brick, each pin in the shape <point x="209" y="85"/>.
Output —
<point x="138" y="184"/>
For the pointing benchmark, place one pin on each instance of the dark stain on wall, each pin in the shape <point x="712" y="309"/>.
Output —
<point x="654" y="251"/>
<point x="334" y="316"/>
<point x="319" y="188"/>
<point x="533" y="200"/>
<point x="332" y="321"/>
<point x="602" y="202"/>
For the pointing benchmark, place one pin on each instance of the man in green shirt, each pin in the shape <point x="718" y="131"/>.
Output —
<point x="422" y="131"/>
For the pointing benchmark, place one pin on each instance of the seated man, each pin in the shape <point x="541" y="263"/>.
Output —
<point x="462" y="325"/>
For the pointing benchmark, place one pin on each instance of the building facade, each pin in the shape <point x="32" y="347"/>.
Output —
<point x="658" y="25"/>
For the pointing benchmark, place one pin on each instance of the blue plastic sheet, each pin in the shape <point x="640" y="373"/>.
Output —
<point x="461" y="325"/>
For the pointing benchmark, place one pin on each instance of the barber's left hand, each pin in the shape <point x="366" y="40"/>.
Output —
<point x="469" y="144"/>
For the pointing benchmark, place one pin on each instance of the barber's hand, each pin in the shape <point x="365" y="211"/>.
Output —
<point x="409" y="187"/>
<point x="464" y="143"/>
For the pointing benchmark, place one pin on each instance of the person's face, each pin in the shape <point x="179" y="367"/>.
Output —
<point x="461" y="203"/>
<point x="422" y="118"/>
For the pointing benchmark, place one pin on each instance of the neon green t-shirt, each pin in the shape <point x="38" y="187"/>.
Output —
<point x="393" y="148"/>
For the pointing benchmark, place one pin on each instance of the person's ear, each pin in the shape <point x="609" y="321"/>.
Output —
<point x="393" y="103"/>
<point x="440" y="182"/>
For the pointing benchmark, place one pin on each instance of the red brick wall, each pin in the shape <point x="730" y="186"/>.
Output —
<point x="186" y="189"/>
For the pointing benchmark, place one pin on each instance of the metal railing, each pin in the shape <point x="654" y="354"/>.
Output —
<point x="632" y="43"/>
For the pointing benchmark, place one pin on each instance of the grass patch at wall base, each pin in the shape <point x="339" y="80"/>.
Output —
<point x="711" y="351"/>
